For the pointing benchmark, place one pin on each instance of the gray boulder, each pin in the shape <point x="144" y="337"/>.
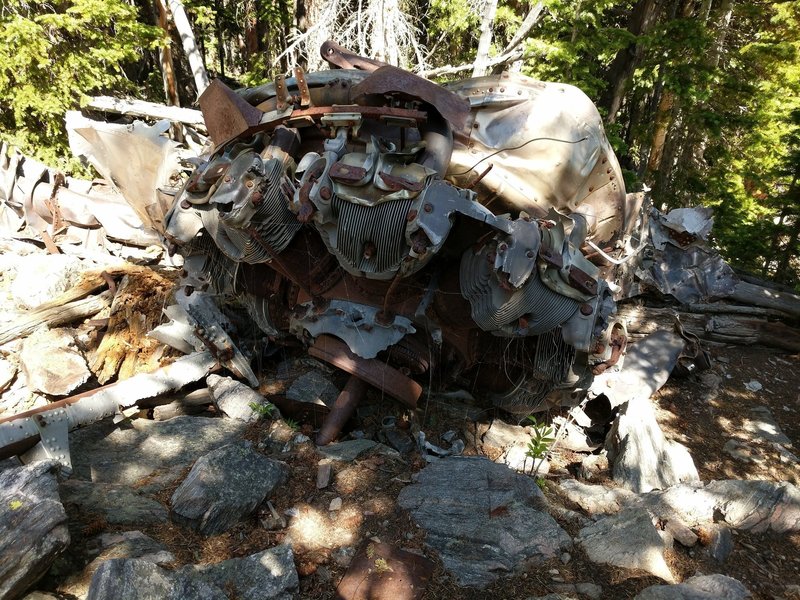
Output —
<point x="137" y="579"/>
<point x="627" y="539"/>
<point x="701" y="587"/>
<point x="225" y="485"/>
<point x="129" y="544"/>
<point x="482" y="518"/>
<point x="33" y="525"/>
<point x="758" y="506"/>
<point x="236" y="400"/>
<point x="118" y="504"/>
<point x="268" y="575"/>
<point x="157" y="451"/>
<point x="642" y="458"/>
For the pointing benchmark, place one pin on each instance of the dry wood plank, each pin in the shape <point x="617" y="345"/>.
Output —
<point x="724" y="328"/>
<point x="748" y="293"/>
<point x="54" y="316"/>
<point x="151" y="110"/>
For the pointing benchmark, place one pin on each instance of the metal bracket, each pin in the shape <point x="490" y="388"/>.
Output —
<point x="302" y="86"/>
<point x="53" y="429"/>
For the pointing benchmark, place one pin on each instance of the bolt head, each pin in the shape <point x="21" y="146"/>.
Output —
<point x="428" y="207"/>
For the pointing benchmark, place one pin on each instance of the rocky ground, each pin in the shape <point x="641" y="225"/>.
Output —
<point x="236" y="501"/>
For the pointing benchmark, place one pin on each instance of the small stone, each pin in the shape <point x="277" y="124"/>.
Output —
<point x="324" y="471"/>
<point x="313" y="387"/>
<point x="592" y="466"/>
<point x="565" y="558"/>
<point x="347" y="451"/>
<point x="742" y="452"/>
<point x="754" y="385"/>
<point x="336" y="504"/>
<point x="236" y="400"/>
<point x="343" y="556"/>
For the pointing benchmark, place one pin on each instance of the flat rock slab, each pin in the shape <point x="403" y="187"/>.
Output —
<point x="33" y="525"/>
<point x="627" y="539"/>
<point x="268" y="575"/>
<point x="762" y="426"/>
<point x="137" y="579"/>
<point x="146" y="449"/>
<point x="129" y="544"/>
<point x="482" y="518"/>
<point x="117" y="504"/>
<point x="642" y="458"/>
<point x="236" y="400"/>
<point x="758" y="506"/>
<point x="702" y="587"/>
<point x="52" y="363"/>
<point x="347" y="451"/>
<point x="225" y="485"/>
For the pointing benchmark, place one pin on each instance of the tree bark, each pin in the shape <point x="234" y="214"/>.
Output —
<point x="621" y="71"/>
<point x="189" y="45"/>
<point x="484" y="43"/>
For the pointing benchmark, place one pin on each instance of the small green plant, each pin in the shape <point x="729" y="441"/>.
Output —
<point x="541" y="482"/>
<point x="292" y="424"/>
<point x="541" y="439"/>
<point x="265" y="409"/>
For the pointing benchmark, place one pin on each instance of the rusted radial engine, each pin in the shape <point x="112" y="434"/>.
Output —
<point x="397" y="227"/>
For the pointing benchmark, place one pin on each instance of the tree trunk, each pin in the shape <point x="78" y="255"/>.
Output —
<point x="621" y="71"/>
<point x="167" y="66"/>
<point x="189" y="45"/>
<point x="484" y="43"/>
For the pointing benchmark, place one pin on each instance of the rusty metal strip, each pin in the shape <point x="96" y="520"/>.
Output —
<point x="389" y="80"/>
<point x="302" y="86"/>
<point x="376" y="373"/>
<point x="281" y="93"/>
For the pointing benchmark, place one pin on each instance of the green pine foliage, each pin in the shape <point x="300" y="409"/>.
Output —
<point x="54" y="55"/>
<point x="709" y="114"/>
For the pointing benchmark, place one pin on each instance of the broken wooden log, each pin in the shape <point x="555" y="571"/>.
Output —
<point x="722" y="328"/>
<point x="755" y="295"/>
<point x="54" y="316"/>
<point x="148" y="110"/>
<point x="192" y="403"/>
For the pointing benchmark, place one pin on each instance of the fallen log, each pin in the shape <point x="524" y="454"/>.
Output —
<point x="755" y="295"/>
<point x="148" y="110"/>
<point x="55" y="316"/>
<point x="723" y="328"/>
<point x="192" y="403"/>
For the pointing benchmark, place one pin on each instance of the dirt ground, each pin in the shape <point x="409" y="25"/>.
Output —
<point x="369" y="486"/>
